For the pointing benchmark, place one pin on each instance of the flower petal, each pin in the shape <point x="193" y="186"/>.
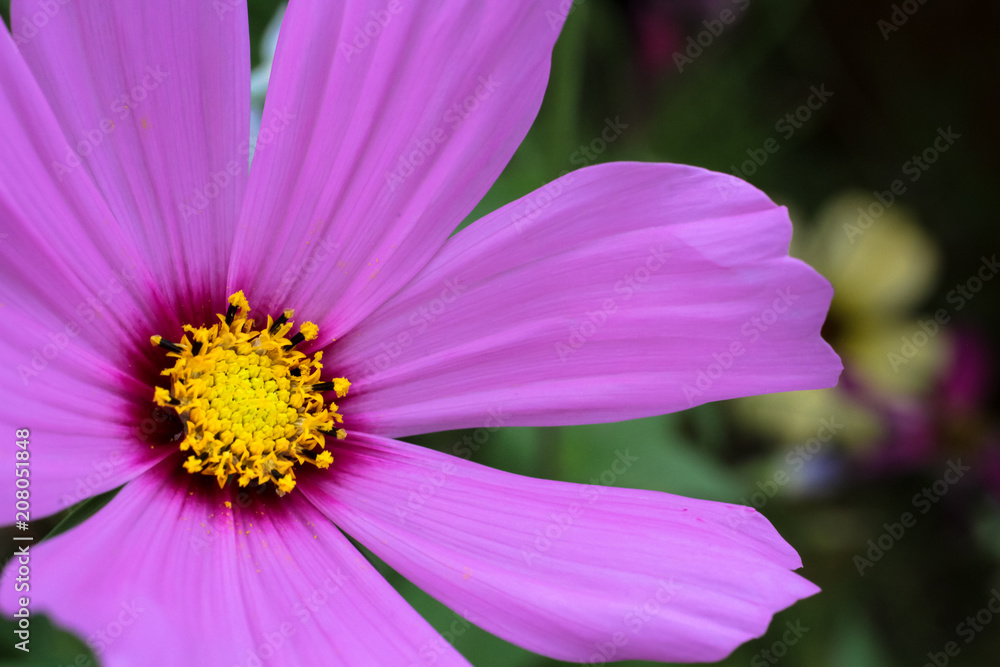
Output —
<point x="562" y="569"/>
<point x="167" y="570"/>
<point x="616" y="292"/>
<point x="154" y="99"/>
<point x="385" y="124"/>
<point x="72" y="297"/>
<point x="82" y="436"/>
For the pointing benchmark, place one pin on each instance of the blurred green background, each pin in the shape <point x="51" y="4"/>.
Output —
<point x="833" y="469"/>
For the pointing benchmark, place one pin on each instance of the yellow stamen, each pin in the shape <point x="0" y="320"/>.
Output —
<point x="240" y="301"/>
<point x="309" y="330"/>
<point x="341" y="385"/>
<point x="248" y="399"/>
<point x="324" y="459"/>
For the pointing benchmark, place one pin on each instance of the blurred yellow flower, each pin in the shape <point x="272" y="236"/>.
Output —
<point x="881" y="267"/>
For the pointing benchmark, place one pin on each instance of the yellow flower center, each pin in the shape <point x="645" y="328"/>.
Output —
<point x="253" y="405"/>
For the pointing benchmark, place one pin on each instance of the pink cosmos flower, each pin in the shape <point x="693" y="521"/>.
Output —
<point x="618" y="291"/>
